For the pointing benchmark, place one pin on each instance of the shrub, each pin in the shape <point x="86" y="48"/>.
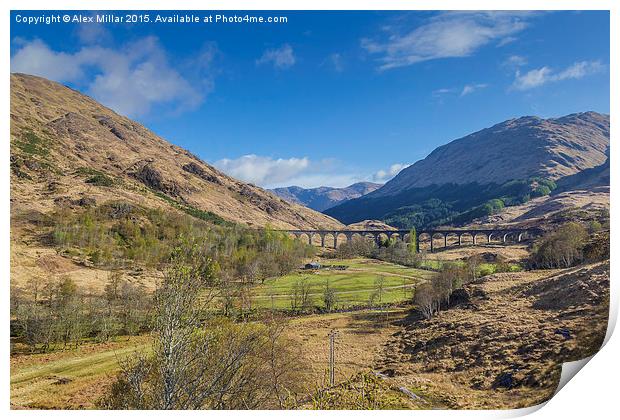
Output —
<point x="560" y="249"/>
<point x="329" y="298"/>
<point x="426" y="299"/>
<point x="198" y="364"/>
<point x="32" y="144"/>
<point x="541" y="191"/>
<point x="362" y="247"/>
<point x="100" y="180"/>
<point x="597" y="249"/>
<point x="398" y="252"/>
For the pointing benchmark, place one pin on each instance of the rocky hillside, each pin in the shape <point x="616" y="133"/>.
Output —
<point x="480" y="174"/>
<point x="370" y="225"/>
<point x="66" y="148"/>
<point x="323" y="198"/>
<point x="501" y="342"/>
<point x="515" y="149"/>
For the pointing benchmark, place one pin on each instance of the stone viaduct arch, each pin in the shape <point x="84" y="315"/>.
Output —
<point x="476" y="236"/>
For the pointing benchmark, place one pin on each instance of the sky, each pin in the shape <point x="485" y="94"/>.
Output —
<point x="325" y="98"/>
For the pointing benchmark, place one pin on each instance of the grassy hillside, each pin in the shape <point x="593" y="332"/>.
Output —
<point x="66" y="147"/>
<point x="441" y="204"/>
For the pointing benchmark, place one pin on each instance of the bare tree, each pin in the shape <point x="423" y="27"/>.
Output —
<point x="442" y="287"/>
<point x="203" y="364"/>
<point x="300" y="296"/>
<point x="305" y="295"/>
<point x="380" y="288"/>
<point x="426" y="300"/>
<point x="472" y="266"/>
<point x="329" y="298"/>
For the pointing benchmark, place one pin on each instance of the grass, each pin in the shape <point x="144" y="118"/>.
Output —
<point x="76" y="379"/>
<point x="484" y="268"/>
<point x="69" y="379"/>
<point x="353" y="287"/>
<point x="32" y="144"/>
<point x="100" y="180"/>
<point x="207" y="216"/>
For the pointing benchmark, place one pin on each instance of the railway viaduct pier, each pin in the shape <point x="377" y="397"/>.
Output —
<point x="475" y="236"/>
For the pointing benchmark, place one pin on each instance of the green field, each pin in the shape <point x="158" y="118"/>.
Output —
<point x="484" y="268"/>
<point x="353" y="287"/>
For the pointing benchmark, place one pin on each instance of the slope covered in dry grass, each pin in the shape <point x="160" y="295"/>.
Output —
<point x="503" y="345"/>
<point x="67" y="148"/>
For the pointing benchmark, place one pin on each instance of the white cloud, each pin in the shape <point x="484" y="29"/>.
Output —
<point x="335" y="180"/>
<point x="336" y="61"/>
<point x="451" y="34"/>
<point x="507" y="40"/>
<point x="515" y="61"/>
<point x="579" y="70"/>
<point x="35" y="57"/>
<point x="467" y="89"/>
<point x="281" y="58"/>
<point x="269" y="172"/>
<point x="439" y="93"/>
<point x="92" y="32"/>
<point x="385" y="175"/>
<point x="262" y="170"/>
<point x="538" y="77"/>
<point x="130" y="80"/>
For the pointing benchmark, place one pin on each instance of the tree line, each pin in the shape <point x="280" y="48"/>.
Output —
<point x="55" y="313"/>
<point x="51" y="312"/>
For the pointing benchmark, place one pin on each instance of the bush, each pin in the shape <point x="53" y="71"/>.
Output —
<point x="541" y="191"/>
<point x="398" y="252"/>
<point x="116" y="233"/>
<point x="329" y="298"/>
<point x="32" y="144"/>
<point x="597" y="249"/>
<point x="362" y="247"/>
<point x="427" y="300"/>
<point x="205" y="364"/>
<point x="100" y="180"/>
<point x="560" y="249"/>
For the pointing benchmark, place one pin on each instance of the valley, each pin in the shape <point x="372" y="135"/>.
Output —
<point x="441" y="362"/>
<point x="133" y="259"/>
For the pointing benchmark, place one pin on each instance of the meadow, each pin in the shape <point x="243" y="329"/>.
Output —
<point x="353" y="287"/>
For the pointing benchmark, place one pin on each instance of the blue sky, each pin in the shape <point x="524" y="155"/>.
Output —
<point x="327" y="98"/>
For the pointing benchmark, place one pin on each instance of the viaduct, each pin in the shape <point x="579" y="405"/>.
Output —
<point x="502" y="235"/>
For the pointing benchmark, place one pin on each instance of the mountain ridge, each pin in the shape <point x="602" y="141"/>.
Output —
<point x="527" y="143"/>
<point x="323" y="198"/>
<point x="481" y="173"/>
<point x="65" y="147"/>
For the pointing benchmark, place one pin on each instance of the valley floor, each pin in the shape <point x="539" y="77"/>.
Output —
<point x="72" y="379"/>
<point x="497" y="348"/>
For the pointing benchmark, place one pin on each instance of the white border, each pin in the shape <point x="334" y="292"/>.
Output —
<point x="594" y="394"/>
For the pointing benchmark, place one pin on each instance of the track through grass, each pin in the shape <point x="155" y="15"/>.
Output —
<point x="68" y="379"/>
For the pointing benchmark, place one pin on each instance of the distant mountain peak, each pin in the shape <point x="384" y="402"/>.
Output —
<point x="323" y="198"/>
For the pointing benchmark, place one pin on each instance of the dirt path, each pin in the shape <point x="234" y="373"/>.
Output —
<point x="345" y="292"/>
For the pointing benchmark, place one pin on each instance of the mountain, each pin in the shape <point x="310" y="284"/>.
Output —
<point x="586" y="179"/>
<point x="67" y="148"/>
<point x="323" y="198"/>
<point x="482" y="173"/>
